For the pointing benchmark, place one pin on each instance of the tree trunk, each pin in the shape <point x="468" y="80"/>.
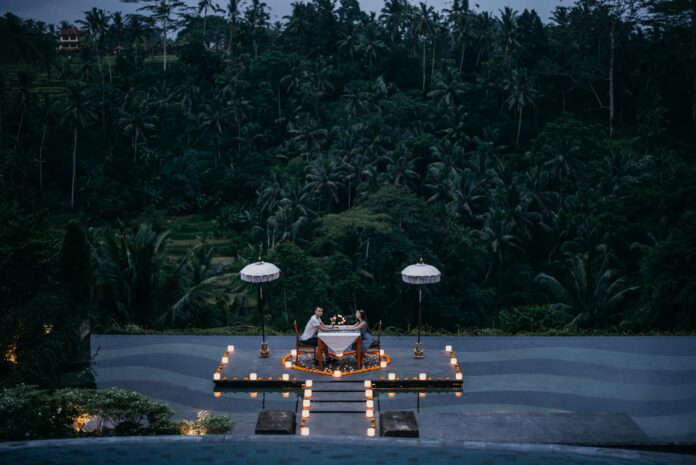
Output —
<point x="205" y="23"/>
<point x="19" y="129"/>
<point x="74" y="168"/>
<point x="519" y="126"/>
<point x="135" y="147"/>
<point x="164" y="43"/>
<point x="423" y="66"/>
<point x="432" y="65"/>
<point x="612" y="52"/>
<point x="693" y="64"/>
<point x="41" y="162"/>
<point x="280" y="114"/>
<point x="461" y="58"/>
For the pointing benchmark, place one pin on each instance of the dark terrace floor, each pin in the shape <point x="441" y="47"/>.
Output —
<point x="516" y="389"/>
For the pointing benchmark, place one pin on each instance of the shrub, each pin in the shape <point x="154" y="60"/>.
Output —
<point x="27" y="412"/>
<point x="529" y="319"/>
<point x="206" y="424"/>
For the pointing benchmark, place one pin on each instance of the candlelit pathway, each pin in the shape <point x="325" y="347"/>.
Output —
<point x="337" y="408"/>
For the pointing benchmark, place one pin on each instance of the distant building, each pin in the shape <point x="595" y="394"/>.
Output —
<point x="69" y="39"/>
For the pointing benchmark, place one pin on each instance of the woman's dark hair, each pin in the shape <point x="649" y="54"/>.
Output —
<point x="363" y="316"/>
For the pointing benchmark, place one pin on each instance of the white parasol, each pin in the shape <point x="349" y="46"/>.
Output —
<point x="420" y="274"/>
<point x="258" y="273"/>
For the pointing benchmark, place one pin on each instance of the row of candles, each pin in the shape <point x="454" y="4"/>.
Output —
<point x="337" y="373"/>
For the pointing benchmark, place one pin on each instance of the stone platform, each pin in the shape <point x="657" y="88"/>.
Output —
<point x="242" y="368"/>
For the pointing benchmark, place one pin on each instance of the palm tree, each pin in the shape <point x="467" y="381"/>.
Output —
<point x="49" y="119"/>
<point x="257" y="18"/>
<point x="498" y="233"/>
<point x="393" y="15"/>
<point x="308" y="136"/>
<point x="520" y="85"/>
<point x="203" y="7"/>
<point x="233" y="7"/>
<point x="323" y="179"/>
<point x="77" y="113"/>
<point x="447" y="90"/>
<point x="458" y="17"/>
<point x="594" y="290"/>
<point x="508" y="23"/>
<point x="401" y="168"/>
<point x="369" y="43"/>
<point x="423" y="28"/>
<point x="136" y="120"/>
<point x="349" y="42"/>
<point x="25" y="79"/>
<point x="215" y="116"/>
<point x="164" y="12"/>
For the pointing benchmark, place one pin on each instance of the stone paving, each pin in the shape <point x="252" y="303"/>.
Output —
<point x="650" y="381"/>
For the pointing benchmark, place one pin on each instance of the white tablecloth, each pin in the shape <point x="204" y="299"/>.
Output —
<point x="339" y="341"/>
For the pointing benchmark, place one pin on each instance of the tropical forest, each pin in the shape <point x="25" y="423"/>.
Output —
<point x="546" y="166"/>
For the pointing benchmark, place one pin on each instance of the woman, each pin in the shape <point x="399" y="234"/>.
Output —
<point x="364" y="328"/>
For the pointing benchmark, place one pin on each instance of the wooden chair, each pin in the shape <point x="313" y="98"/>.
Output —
<point x="299" y="346"/>
<point x="376" y="346"/>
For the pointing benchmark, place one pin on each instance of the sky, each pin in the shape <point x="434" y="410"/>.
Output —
<point x="53" y="11"/>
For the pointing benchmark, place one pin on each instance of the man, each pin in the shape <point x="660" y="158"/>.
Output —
<point x="314" y="325"/>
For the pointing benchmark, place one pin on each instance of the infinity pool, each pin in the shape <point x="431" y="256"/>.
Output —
<point x="214" y="450"/>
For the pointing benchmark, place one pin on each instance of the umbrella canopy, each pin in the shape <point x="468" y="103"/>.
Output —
<point x="420" y="273"/>
<point x="259" y="272"/>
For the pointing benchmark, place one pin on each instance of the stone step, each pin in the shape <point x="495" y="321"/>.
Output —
<point x="338" y="386"/>
<point x="344" y="407"/>
<point x="338" y="424"/>
<point x="338" y="396"/>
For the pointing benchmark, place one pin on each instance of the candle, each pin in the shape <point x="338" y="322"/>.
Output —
<point x="422" y="376"/>
<point x="370" y="404"/>
<point x="307" y="393"/>
<point x="370" y="432"/>
<point x="253" y="376"/>
<point x="288" y="364"/>
<point x="306" y="403"/>
<point x="337" y="374"/>
<point x="216" y="376"/>
<point x="293" y="352"/>
<point x="225" y="359"/>
<point x="230" y="348"/>
<point x="305" y="413"/>
<point x="453" y="361"/>
<point x="383" y="364"/>
<point x="448" y="348"/>
<point x="304" y="431"/>
<point x="367" y="383"/>
<point x="369" y="413"/>
<point x="309" y="383"/>
<point x="458" y="376"/>
<point x="368" y="393"/>
<point x="285" y="376"/>
<point x="392" y="376"/>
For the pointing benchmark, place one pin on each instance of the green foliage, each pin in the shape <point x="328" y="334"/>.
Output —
<point x="206" y="424"/>
<point x="498" y="147"/>
<point x="667" y="271"/>
<point x="530" y="319"/>
<point x="30" y="413"/>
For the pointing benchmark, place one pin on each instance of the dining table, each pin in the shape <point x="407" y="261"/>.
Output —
<point x="338" y="341"/>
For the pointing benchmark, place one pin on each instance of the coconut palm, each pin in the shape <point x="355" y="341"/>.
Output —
<point x="520" y="85"/>
<point x="393" y="15"/>
<point x="136" y="120"/>
<point x="323" y="178"/>
<point x="423" y="28"/>
<point x="77" y="113"/>
<point x="369" y="43"/>
<point x="203" y="7"/>
<point x="594" y="291"/>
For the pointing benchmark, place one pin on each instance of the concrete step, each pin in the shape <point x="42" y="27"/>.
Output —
<point x="338" y="396"/>
<point x="345" y="407"/>
<point x="337" y="424"/>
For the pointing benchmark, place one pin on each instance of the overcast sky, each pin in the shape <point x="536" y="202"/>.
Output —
<point x="53" y="11"/>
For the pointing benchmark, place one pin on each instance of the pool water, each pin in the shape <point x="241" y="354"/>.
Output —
<point x="214" y="450"/>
